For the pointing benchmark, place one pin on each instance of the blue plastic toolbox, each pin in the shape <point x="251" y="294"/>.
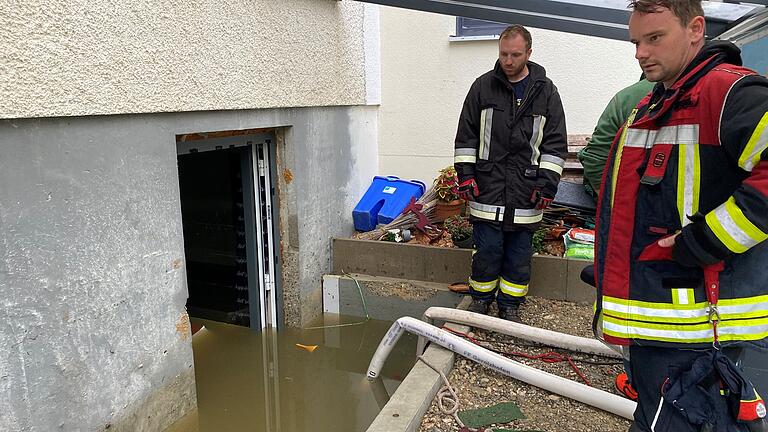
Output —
<point x="384" y="200"/>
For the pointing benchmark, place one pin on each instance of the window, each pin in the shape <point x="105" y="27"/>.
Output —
<point x="469" y="27"/>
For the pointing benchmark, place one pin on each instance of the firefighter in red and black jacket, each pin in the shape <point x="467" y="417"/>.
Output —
<point x="682" y="221"/>
<point x="509" y="155"/>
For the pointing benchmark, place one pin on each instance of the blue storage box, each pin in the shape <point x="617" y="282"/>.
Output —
<point x="384" y="200"/>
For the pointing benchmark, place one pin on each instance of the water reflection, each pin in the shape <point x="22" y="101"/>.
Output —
<point x="248" y="381"/>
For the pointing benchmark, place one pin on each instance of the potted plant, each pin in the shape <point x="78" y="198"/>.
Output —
<point x="448" y="203"/>
<point x="461" y="231"/>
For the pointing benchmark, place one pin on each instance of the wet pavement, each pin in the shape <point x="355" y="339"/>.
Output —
<point x="262" y="381"/>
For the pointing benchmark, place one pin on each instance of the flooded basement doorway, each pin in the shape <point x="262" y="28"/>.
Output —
<point x="227" y="214"/>
<point x="265" y="382"/>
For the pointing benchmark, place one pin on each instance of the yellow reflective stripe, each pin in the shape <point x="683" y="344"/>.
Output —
<point x="551" y="166"/>
<point x="464" y="159"/>
<point x="483" y="286"/>
<point x="732" y="227"/>
<point x="683" y="296"/>
<point x="688" y="181"/>
<point x="686" y="333"/>
<point x="757" y="143"/>
<point x="619" y="150"/>
<point x="513" y="289"/>
<point x="751" y="307"/>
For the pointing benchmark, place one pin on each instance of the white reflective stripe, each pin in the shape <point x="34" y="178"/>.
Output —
<point x="745" y="329"/>
<point x="483" y="286"/>
<point x="636" y="311"/>
<point x="732" y="228"/>
<point x="679" y="333"/>
<point x="756" y="308"/>
<point x="464" y="151"/>
<point x="553" y="159"/>
<point x="464" y="159"/>
<point x="638" y="138"/>
<point x="688" y="182"/>
<point x="486" y="211"/>
<point x="677" y="135"/>
<point x="552" y="167"/>
<point x="680" y="134"/>
<point x="486" y="124"/>
<point x="513" y="289"/>
<point x="552" y="163"/>
<point x="756" y="145"/>
<point x="537" y="134"/>
<point x="658" y="412"/>
<point x="528" y="216"/>
<point x="465" y="155"/>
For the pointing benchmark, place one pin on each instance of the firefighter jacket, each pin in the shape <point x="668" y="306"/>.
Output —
<point x="511" y="150"/>
<point x="691" y="158"/>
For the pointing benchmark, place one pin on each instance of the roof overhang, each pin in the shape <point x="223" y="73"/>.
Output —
<point x="601" y="18"/>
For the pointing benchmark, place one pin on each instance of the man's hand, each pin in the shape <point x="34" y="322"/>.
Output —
<point x="467" y="190"/>
<point x="542" y="202"/>
<point x="681" y="253"/>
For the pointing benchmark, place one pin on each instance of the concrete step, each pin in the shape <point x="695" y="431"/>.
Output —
<point x="385" y="298"/>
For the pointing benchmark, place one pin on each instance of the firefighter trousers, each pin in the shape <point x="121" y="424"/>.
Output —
<point x="501" y="265"/>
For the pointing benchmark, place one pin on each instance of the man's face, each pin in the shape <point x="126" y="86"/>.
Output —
<point x="663" y="45"/>
<point x="513" y="56"/>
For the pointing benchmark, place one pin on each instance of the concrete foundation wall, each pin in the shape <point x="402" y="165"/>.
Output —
<point x="93" y="329"/>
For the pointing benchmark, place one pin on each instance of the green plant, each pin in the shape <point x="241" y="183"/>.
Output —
<point x="459" y="227"/>
<point x="446" y="184"/>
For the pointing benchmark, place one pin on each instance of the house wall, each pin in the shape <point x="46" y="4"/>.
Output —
<point x="93" y="328"/>
<point x="92" y="278"/>
<point x="65" y="58"/>
<point x="425" y="78"/>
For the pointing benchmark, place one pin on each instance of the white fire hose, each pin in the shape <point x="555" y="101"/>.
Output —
<point x="553" y="383"/>
<point x="521" y="331"/>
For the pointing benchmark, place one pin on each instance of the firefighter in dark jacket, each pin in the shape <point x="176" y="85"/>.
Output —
<point x="682" y="221"/>
<point x="510" y="151"/>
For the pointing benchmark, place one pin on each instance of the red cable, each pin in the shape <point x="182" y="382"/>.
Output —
<point x="548" y="357"/>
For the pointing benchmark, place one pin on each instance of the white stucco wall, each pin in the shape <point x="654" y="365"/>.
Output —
<point x="425" y="78"/>
<point x="67" y="58"/>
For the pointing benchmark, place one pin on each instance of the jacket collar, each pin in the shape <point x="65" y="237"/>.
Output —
<point x="536" y="72"/>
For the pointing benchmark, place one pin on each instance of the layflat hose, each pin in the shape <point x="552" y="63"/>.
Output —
<point x="522" y="331"/>
<point x="553" y="383"/>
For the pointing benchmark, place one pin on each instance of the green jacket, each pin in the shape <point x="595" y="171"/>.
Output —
<point x="593" y="156"/>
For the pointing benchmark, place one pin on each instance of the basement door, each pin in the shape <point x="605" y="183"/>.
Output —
<point x="228" y="216"/>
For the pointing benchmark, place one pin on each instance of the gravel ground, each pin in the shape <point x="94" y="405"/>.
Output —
<point x="477" y="386"/>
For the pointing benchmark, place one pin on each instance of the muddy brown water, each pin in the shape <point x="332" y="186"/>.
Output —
<point x="263" y="382"/>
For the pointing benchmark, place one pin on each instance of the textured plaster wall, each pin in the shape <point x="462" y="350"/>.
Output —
<point x="92" y="280"/>
<point x="326" y="160"/>
<point x="93" y="330"/>
<point x="425" y="78"/>
<point x="70" y="58"/>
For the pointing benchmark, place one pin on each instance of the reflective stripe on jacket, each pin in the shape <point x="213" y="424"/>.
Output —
<point x="690" y="158"/>
<point x="509" y="150"/>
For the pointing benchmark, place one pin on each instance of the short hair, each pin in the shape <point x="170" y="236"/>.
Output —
<point x="685" y="10"/>
<point x="517" y="29"/>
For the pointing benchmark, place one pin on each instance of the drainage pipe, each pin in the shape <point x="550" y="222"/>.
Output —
<point x="522" y="331"/>
<point x="553" y="383"/>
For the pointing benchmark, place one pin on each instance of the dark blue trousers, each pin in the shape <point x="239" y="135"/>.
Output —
<point x="501" y="265"/>
<point x="650" y="368"/>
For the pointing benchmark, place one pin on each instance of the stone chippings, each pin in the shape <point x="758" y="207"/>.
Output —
<point x="479" y="387"/>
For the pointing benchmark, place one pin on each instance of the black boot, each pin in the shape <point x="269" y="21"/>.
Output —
<point x="480" y="306"/>
<point x="510" y="313"/>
